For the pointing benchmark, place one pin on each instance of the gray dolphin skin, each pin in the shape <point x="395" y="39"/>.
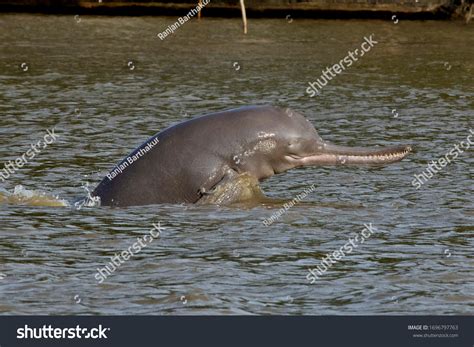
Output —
<point x="191" y="161"/>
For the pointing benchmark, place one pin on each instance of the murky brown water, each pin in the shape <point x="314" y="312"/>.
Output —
<point x="107" y="83"/>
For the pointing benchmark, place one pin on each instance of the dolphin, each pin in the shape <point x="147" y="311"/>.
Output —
<point x="221" y="157"/>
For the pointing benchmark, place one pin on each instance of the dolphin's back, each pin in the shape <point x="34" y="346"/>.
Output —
<point x="173" y="165"/>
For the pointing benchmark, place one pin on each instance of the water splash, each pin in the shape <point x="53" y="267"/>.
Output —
<point x="89" y="200"/>
<point x="23" y="196"/>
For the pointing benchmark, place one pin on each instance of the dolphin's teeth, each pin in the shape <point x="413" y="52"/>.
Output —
<point x="374" y="157"/>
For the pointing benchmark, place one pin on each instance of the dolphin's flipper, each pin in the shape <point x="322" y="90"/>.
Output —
<point x="234" y="189"/>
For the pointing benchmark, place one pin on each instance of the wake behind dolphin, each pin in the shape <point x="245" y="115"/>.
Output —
<point x="220" y="158"/>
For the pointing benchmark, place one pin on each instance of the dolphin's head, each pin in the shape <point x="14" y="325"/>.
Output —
<point x="298" y="144"/>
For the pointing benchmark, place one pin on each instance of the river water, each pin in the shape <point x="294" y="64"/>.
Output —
<point x="105" y="84"/>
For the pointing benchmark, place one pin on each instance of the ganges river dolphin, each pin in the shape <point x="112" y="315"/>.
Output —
<point x="221" y="157"/>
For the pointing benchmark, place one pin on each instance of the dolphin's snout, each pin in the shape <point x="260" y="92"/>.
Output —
<point x="330" y="154"/>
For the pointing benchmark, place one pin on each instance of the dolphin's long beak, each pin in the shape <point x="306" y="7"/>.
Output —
<point x="329" y="154"/>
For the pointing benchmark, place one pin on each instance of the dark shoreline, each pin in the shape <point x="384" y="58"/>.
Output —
<point x="322" y="9"/>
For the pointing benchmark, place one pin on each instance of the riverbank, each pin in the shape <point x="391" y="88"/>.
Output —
<point x="343" y="9"/>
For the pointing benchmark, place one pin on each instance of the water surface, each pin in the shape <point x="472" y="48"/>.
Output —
<point x="108" y="83"/>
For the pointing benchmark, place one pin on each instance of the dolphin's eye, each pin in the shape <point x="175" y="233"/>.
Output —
<point x="292" y="143"/>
